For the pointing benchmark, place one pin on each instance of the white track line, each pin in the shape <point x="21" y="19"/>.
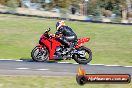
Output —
<point x="110" y="65"/>
<point x="42" y="69"/>
<point x="96" y="64"/>
<point x="64" y="62"/>
<point x="6" y="59"/>
<point x="127" y="66"/>
<point x="74" y="63"/>
<point x="22" y="68"/>
<point x="18" y="60"/>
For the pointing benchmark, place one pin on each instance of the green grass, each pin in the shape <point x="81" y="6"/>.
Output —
<point x="50" y="82"/>
<point x="110" y="44"/>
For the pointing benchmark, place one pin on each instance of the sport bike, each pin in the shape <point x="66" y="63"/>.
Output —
<point x="49" y="48"/>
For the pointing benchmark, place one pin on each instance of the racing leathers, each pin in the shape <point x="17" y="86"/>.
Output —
<point x="68" y="37"/>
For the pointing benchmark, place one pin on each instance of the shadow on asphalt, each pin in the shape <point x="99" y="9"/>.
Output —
<point x="54" y="61"/>
<point x="30" y="60"/>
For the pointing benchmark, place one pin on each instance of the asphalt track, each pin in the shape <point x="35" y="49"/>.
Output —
<point x="27" y="67"/>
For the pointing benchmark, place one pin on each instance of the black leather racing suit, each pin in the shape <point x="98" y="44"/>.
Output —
<point x="67" y="36"/>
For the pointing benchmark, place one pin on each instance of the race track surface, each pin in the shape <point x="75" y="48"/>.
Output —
<point x="27" y="67"/>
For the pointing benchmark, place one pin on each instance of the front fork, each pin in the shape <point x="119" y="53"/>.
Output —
<point x="40" y="46"/>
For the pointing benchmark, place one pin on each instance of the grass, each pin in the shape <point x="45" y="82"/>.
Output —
<point x="50" y="82"/>
<point x="110" y="44"/>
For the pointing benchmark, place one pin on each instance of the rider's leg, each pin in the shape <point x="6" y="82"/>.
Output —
<point x="72" y="40"/>
<point x="68" y="41"/>
<point x="64" y="41"/>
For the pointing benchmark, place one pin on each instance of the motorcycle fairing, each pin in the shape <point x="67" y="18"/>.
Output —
<point x="81" y="41"/>
<point x="51" y="45"/>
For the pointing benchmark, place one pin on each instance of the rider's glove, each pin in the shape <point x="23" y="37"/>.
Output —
<point x="52" y="35"/>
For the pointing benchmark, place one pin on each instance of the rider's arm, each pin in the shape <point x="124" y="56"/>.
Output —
<point x="60" y="31"/>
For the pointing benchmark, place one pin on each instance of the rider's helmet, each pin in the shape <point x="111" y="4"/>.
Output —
<point x="60" y="24"/>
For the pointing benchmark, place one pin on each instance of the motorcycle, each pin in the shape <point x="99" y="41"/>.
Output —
<point x="51" y="49"/>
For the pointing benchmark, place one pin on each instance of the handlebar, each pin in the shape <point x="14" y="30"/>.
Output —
<point x="48" y="30"/>
<point x="51" y="36"/>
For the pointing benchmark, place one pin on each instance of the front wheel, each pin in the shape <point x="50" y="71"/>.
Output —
<point x="83" y="56"/>
<point x="40" y="54"/>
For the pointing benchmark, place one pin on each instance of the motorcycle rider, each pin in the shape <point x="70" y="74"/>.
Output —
<point x="68" y="38"/>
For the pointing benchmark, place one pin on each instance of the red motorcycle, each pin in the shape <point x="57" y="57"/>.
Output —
<point x="50" y="49"/>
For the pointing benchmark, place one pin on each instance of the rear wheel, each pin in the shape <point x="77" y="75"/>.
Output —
<point x="84" y="55"/>
<point x="40" y="54"/>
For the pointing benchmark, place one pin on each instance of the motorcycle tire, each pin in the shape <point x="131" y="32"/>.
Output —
<point x="77" y="57"/>
<point x="81" y="80"/>
<point x="43" y="54"/>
